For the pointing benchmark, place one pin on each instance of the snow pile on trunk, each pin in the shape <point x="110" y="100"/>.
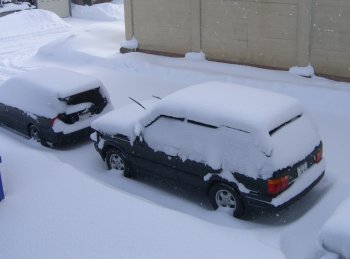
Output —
<point x="38" y="91"/>
<point x="335" y="234"/>
<point x="102" y="12"/>
<point x="29" y="22"/>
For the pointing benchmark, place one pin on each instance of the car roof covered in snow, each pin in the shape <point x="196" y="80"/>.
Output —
<point x="57" y="80"/>
<point x="225" y="104"/>
<point x="38" y="91"/>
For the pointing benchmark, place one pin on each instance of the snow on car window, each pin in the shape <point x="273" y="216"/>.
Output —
<point x="225" y="148"/>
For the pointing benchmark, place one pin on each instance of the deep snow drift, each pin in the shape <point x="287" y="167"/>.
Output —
<point x="64" y="203"/>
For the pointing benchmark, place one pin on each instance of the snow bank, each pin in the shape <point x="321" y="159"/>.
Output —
<point x="102" y="12"/>
<point x="29" y="22"/>
<point x="303" y="71"/>
<point x="335" y="233"/>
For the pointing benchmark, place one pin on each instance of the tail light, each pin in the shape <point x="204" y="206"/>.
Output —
<point x="318" y="155"/>
<point x="275" y="186"/>
<point x="52" y="121"/>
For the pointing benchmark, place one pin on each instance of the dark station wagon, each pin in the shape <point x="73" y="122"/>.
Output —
<point x="243" y="147"/>
<point x="51" y="105"/>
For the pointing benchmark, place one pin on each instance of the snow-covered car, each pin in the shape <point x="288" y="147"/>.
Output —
<point x="241" y="146"/>
<point x="52" y="105"/>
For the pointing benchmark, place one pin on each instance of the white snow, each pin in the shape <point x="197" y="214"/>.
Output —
<point x="10" y="7"/>
<point x="38" y="91"/>
<point x="223" y="104"/>
<point x="101" y="12"/>
<point x="302" y="71"/>
<point x="293" y="142"/>
<point x="125" y="120"/>
<point x="30" y="21"/>
<point x="195" y="56"/>
<point x="64" y="203"/>
<point x="335" y="233"/>
<point x="130" y="44"/>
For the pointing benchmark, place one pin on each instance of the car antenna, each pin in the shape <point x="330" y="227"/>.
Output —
<point x="137" y="103"/>
<point x="157" y="97"/>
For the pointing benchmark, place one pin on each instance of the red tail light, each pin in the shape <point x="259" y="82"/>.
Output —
<point x="318" y="155"/>
<point x="275" y="186"/>
<point x="52" y="121"/>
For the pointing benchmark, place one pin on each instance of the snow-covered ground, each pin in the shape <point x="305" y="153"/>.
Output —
<point x="63" y="203"/>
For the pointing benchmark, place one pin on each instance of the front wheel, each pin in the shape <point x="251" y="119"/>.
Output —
<point x="117" y="160"/>
<point x="226" y="197"/>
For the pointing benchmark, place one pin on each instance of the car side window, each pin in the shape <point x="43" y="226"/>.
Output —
<point x="176" y="136"/>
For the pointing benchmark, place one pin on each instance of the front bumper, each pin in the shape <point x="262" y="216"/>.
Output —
<point x="302" y="185"/>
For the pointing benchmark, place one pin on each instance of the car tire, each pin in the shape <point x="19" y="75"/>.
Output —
<point x="34" y="133"/>
<point x="225" y="196"/>
<point x="117" y="160"/>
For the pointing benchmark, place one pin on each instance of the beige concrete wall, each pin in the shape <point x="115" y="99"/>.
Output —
<point x="249" y="31"/>
<point x="330" y="37"/>
<point x="163" y="25"/>
<point x="273" y="33"/>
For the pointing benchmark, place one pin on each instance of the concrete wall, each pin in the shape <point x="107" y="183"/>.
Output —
<point x="162" y="25"/>
<point x="249" y="31"/>
<point x="272" y="33"/>
<point x="330" y="37"/>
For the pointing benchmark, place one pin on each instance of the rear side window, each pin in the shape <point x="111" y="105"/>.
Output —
<point x="177" y="136"/>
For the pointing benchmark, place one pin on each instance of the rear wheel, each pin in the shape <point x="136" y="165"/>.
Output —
<point x="117" y="160"/>
<point x="34" y="133"/>
<point x="226" y="197"/>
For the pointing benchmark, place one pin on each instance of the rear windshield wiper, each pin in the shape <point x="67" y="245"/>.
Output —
<point x="284" y="124"/>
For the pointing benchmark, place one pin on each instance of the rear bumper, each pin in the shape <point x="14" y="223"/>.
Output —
<point x="295" y="192"/>
<point x="66" y="139"/>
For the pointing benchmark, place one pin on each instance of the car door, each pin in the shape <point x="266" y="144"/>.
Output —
<point x="151" y="148"/>
<point x="191" y="173"/>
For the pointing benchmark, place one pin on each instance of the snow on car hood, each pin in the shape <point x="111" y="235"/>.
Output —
<point x="125" y="121"/>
